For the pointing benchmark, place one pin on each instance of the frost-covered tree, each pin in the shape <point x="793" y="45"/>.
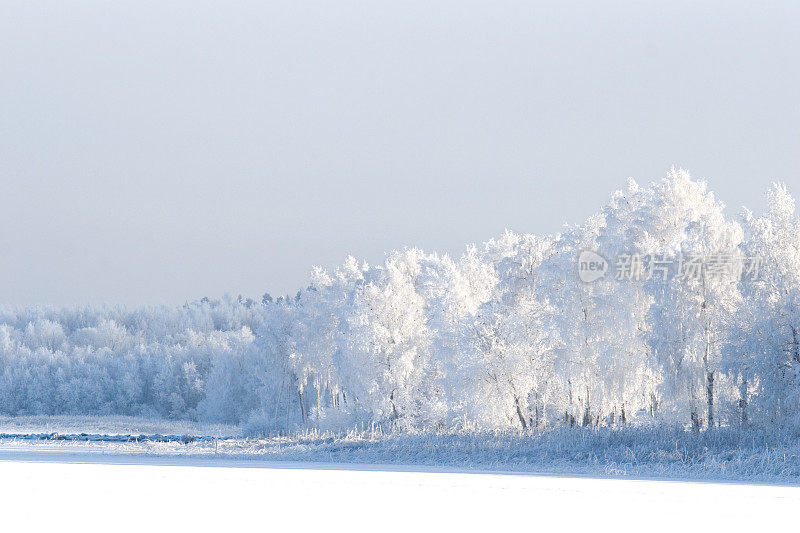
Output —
<point x="578" y="319"/>
<point x="631" y="376"/>
<point x="387" y="368"/>
<point x="505" y="369"/>
<point x="453" y="291"/>
<point x="695" y="320"/>
<point x="765" y="354"/>
<point x="692" y="309"/>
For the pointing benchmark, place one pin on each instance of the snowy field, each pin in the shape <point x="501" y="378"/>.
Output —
<point x="179" y="494"/>
<point x="111" y="425"/>
<point x="140" y="473"/>
<point x="635" y="453"/>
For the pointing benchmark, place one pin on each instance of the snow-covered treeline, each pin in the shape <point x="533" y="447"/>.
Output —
<point x="659" y="310"/>
<point x="150" y="361"/>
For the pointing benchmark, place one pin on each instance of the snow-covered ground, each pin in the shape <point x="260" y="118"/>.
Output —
<point x="150" y="493"/>
<point x="146" y="474"/>
<point x="111" y="425"/>
<point x="649" y="453"/>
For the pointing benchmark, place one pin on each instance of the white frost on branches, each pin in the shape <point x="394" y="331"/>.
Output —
<point x="505" y="336"/>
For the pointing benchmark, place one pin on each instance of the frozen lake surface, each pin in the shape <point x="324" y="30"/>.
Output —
<point x="50" y="488"/>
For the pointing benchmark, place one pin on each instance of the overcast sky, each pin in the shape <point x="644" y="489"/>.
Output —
<point x="158" y="152"/>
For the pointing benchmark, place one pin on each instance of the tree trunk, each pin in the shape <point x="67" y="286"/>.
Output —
<point x="519" y="413"/>
<point x="587" y="417"/>
<point x="395" y="414"/>
<point x="653" y="404"/>
<point x="302" y="405"/>
<point x="707" y="360"/>
<point x="743" y="401"/>
<point x="710" y="398"/>
<point x="709" y="379"/>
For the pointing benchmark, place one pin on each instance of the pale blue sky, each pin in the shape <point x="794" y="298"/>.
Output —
<point x="156" y="151"/>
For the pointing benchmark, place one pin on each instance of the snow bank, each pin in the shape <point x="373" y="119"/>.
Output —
<point x="639" y="453"/>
